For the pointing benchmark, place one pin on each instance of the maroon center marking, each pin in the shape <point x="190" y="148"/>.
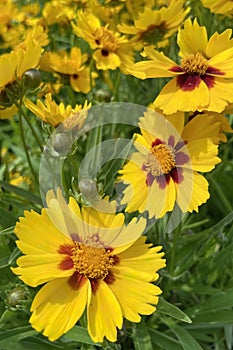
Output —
<point x="76" y="281"/>
<point x="188" y="82"/>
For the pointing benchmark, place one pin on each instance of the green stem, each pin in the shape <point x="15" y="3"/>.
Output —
<point x="33" y="131"/>
<point x="23" y="114"/>
<point x="24" y="142"/>
<point x="90" y="76"/>
<point x="221" y="195"/>
<point x="116" y="86"/>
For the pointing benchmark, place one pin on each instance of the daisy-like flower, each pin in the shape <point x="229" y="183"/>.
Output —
<point x="203" y="80"/>
<point x="57" y="12"/>
<point x="164" y="170"/>
<point x="155" y="26"/>
<point x="52" y="113"/>
<point x="111" y="50"/>
<point x="71" y="65"/>
<point x="86" y="259"/>
<point x="17" y="62"/>
<point x="223" y="7"/>
<point x="13" y="65"/>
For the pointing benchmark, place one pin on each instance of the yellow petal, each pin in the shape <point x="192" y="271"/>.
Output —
<point x="172" y="98"/>
<point x="203" y="154"/>
<point x="134" y="296"/>
<point x="199" y="193"/>
<point x="219" y="43"/>
<point x="38" y="235"/>
<point x="56" y="308"/>
<point x="104" y="314"/>
<point x="37" y="269"/>
<point x="192" y="38"/>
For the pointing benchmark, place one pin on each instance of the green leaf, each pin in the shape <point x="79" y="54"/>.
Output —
<point x="21" y="192"/>
<point x="185" y="338"/>
<point x="164" y="341"/>
<point x="218" y="302"/>
<point x="9" y="339"/>
<point x="7" y="231"/>
<point x="214" y="317"/>
<point x="173" y="311"/>
<point x="141" y="338"/>
<point x="228" y="331"/>
<point x="79" y="334"/>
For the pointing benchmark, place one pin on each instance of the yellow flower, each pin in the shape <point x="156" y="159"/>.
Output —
<point x="111" y="51"/>
<point x="164" y="170"/>
<point x="202" y="125"/>
<point x="17" y="62"/>
<point x="155" y="26"/>
<point x="224" y="7"/>
<point x="52" y="113"/>
<point x="57" y="12"/>
<point x="79" y="256"/>
<point x="203" y="80"/>
<point x="71" y="65"/>
<point x="9" y="112"/>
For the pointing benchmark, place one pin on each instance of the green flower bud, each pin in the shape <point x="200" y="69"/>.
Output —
<point x="31" y="79"/>
<point x="17" y="296"/>
<point x="88" y="189"/>
<point x="102" y="95"/>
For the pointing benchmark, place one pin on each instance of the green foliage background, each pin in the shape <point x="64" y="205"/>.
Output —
<point x="195" y="311"/>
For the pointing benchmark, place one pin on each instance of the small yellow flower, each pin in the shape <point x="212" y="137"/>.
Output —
<point x="204" y="79"/>
<point x="17" y="62"/>
<point x="84" y="262"/>
<point x="57" y="12"/>
<point x="111" y="50"/>
<point x="165" y="169"/>
<point x="155" y="26"/>
<point x="52" y="113"/>
<point x="223" y="7"/>
<point x="71" y="65"/>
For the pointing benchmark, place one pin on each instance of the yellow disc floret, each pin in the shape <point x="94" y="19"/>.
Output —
<point x="92" y="262"/>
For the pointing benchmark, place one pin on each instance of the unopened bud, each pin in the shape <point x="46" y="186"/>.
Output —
<point x="31" y="79"/>
<point x="17" y="296"/>
<point x="88" y="189"/>
<point x="102" y="95"/>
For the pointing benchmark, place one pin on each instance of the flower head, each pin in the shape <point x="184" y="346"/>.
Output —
<point x="155" y="26"/>
<point x="110" y="49"/>
<point x="204" y="78"/>
<point x="71" y="65"/>
<point x="54" y="114"/>
<point x="86" y="260"/>
<point x="164" y="170"/>
<point x="223" y="7"/>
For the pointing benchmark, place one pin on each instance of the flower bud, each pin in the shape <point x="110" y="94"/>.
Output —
<point x="31" y="79"/>
<point x="61" y="143"/>
<point x="102" y="95"/>
<point x="88" y="189"/>
<point x="17" y="296"/>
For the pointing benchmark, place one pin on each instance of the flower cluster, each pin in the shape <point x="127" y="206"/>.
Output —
<point x="66" y="70"/>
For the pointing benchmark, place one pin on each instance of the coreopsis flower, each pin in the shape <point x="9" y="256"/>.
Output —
<point x="57" y="12"/>
<point x="111" y="50"/>
<point x="71" y="65"/>
<point x="9" y="13"/>
<point x="86" y="260"/>
<point x="155" y="26"/>
<point x="13" y="66"/>
<point x="52" y="113"/>
<point x="204" y="78"/>
<point x="164" y="170"/>
<point x="223" y="7"/>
